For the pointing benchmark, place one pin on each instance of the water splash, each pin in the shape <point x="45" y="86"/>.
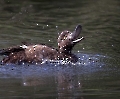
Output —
<point x="87" y="63"/>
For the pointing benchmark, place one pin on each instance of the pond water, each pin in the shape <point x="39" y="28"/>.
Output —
<point x="97" y="73"/>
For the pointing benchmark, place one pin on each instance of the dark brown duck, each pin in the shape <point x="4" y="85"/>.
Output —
<point x="37" y="53"/>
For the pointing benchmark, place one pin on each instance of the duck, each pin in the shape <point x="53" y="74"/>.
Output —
<point x="37" y="53"/>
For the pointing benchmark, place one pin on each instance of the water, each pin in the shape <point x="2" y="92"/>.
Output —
<point x="94" y="76"/>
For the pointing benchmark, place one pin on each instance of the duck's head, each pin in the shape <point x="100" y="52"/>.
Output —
<point x="67" y="39"/>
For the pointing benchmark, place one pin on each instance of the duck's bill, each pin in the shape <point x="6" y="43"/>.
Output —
<point x="78" y="40"/>
<point x="77" y="31"/>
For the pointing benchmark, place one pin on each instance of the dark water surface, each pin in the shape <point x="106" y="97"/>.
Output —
<point x="97" y="73"/>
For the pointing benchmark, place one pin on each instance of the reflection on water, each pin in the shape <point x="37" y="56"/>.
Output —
<point x="94" y="76"/>
<point x="66" y="80"/>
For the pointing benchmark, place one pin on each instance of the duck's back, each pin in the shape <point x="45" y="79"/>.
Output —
<point x="29" y="54"/>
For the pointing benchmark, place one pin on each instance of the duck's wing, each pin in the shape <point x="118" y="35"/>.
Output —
<point x="10" y="50"/>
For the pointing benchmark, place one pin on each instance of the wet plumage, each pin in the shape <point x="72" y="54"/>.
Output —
<point x="37" y="53"/>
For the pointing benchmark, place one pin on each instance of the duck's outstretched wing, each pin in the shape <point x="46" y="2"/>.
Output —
<point x="10" y="50"/>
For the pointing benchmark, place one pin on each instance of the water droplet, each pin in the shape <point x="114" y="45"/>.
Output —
<point x="89" y="58"/>
<point x="24" y="83"/>
<point x="56" y="26"/>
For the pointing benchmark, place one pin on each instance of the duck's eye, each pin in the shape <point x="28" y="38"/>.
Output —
<point x="69" y="39"/>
